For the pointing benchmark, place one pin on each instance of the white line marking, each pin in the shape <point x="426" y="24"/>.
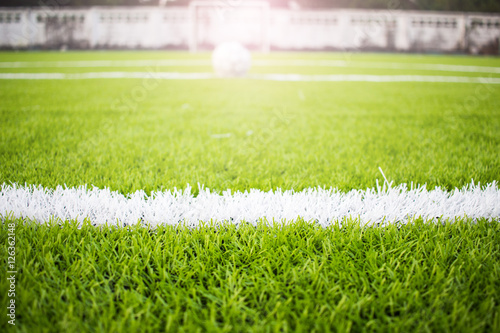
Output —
<point x="265" y="77"/>
<point x="105" y="63"/>
<point x="375" y="78"/>
<point x="257" y="63"/>
<point x="326" y="206"/>
<point x="107" y="75"/>
<point x="378" y="65"/>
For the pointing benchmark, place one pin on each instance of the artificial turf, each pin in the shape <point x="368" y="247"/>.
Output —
<point x="440" y="277"/>
<point x="239" y="135"/>
<point x="148" y="135"/>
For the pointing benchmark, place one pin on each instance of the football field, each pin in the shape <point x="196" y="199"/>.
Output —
<point x="324" y="191"/>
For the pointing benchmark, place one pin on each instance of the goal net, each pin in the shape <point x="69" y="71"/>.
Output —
<point x="215" y="22"/>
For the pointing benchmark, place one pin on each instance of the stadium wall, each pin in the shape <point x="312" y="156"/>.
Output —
<point x="169" y="28"/>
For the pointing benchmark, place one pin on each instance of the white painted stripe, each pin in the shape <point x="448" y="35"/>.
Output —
<point x="106" y="63"/>
<point x="375" y="78"/>
<point x="386" y="203"/>
<point x="435" y="67"/>
<point x="265" y="77"/>
<point x="33" y="76"/>
<point x="378" y="65"/>
<point x="107" y="75"/>
<point x="257" y="63"/>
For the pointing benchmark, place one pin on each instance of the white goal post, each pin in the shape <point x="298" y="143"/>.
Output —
<point x="214" y="22"/>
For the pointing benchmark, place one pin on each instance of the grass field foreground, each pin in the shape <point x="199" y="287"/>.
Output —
<point x="128" y="135"/>
<point x="299" y="277"/>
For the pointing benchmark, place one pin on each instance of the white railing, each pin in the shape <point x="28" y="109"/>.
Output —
<point x="160" y="28"/>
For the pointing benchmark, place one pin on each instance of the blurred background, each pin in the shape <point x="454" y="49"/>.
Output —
<point x="439" y="26"/>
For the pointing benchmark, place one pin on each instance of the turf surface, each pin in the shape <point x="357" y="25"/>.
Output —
<point x="299" y="277"/>
<point x="133" y="135"/>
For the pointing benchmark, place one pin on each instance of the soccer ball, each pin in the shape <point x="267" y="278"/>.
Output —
<point x="231" y="60"/>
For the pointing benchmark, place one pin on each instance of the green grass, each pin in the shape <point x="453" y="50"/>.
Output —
<point x="355" y="63"/>
<point x="297" y="277"/>
<point x="289" y="135"/>
<point x="303" y="134"/>
<point x="344" y="56"/>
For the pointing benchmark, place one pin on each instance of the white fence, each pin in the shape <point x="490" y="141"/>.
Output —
<point x="161" y="28"/>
